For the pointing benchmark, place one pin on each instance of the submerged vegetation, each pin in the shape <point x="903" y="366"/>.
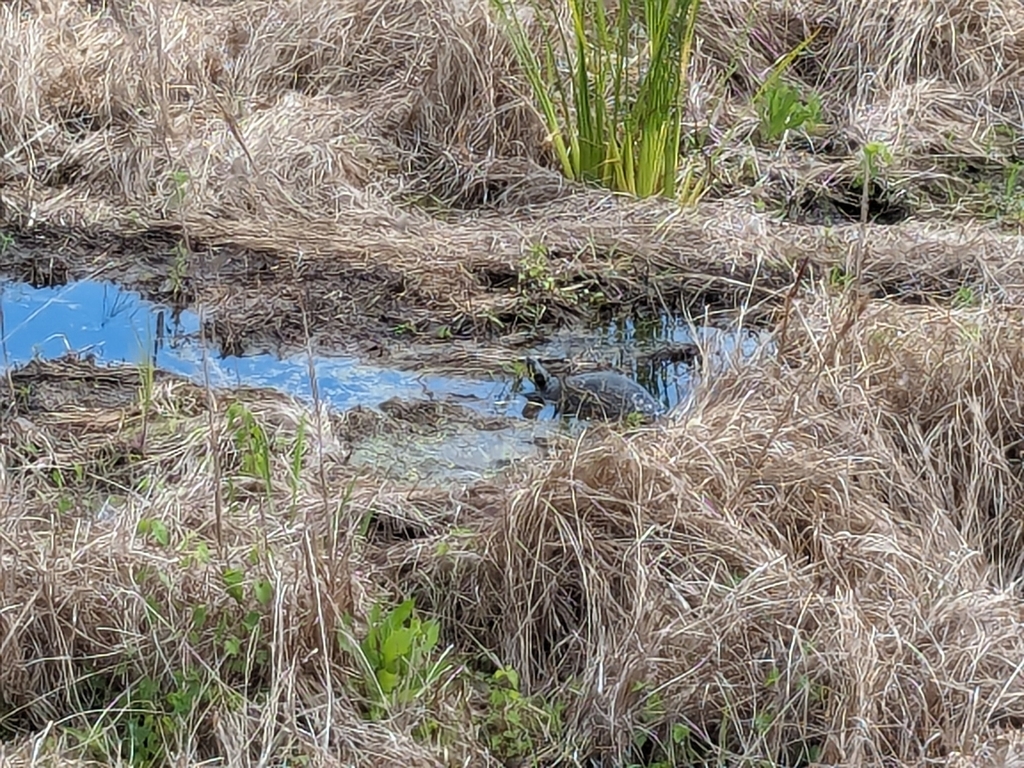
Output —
<point x="815" y="560"/>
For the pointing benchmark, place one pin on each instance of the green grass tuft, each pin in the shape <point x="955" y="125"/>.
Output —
<point x="612" y="89"/>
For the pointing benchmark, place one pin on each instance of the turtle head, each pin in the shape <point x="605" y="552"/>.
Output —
<point x="546" y="384"/>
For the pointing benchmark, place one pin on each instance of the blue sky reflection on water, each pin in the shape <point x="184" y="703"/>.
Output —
<point x="116" y="325"/>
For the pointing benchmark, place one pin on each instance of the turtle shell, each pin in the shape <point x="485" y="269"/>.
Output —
<point x="595" y="395"/>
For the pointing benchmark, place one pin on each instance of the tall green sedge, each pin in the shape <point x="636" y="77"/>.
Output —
<point x="612" y="91"/>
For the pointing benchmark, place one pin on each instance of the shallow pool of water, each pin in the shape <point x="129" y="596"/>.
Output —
<point x="116" y="325"/>
<point x="120" y="326"/>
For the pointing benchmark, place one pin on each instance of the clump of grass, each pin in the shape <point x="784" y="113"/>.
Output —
<point x="612" y="89"/>
<point x="396" y="656"/>
<point x="814" y="544"/>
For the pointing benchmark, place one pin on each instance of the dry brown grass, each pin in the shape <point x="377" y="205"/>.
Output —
<point x="384" y="154"/>
<point x="944" y="386"/>
<point x="301" y="126"/>
<point x="816" y="573"/>
<point x="91" y="605"/>
<point x="820" y="559"/>
<point x="821" y="554"/>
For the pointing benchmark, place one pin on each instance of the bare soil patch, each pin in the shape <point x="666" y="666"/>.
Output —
<point x="480" y="281"/>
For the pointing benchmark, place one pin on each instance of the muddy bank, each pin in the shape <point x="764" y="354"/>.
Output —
<point x="406" y="441"/>
<point x="376" y="304"/>
<point x="494" y="284"/>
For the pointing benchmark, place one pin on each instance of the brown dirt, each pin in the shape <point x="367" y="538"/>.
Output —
<point x="372" y="298"/>
<point x="42" y="387"/>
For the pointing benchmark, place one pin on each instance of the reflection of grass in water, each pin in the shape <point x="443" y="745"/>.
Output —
<point x="661" y="379"/>
<point x="665" y="379"/>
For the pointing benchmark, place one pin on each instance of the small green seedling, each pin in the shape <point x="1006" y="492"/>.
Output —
<point x="397" y="656"/>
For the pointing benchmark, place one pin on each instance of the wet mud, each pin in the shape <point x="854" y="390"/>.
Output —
<point x="373" y="307"/>
<point x="406" y="441"/>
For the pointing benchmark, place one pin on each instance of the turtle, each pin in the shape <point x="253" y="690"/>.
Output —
<point x="594" y="395"/>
